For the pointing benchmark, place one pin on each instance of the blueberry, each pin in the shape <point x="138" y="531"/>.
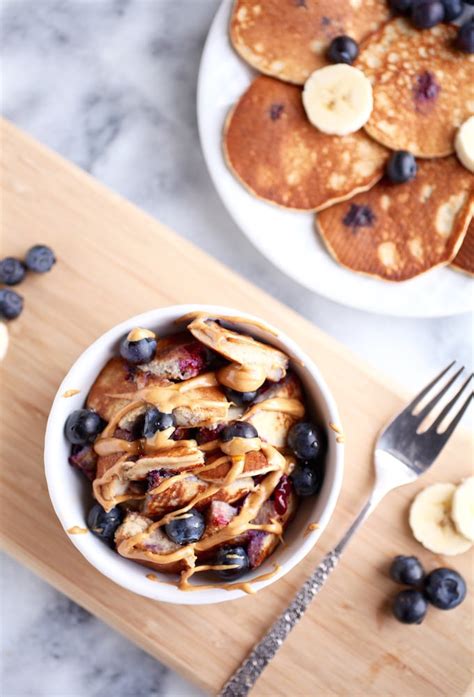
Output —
<point x="427" y="13"/>
<point x="343" y="49"/>
<point x="237" y="429"/>
<point x="403" y="7"/>
<point x="305" y="440"/>
<point x="235" y="556"/>
<point x="156" y="420"/>
<point x="11" y="304"/>
<point x="452" y="9"/>
<point x="359" y="216"/>
<point x="187" y="527"/>
<point x="239" y="398"/>
<point x="12" y="271"/>
<point x="136" y="352"/>
<point x="445" y="588"/>
<point x="40" y="258"/>
<point x="401" y="167"/>
<point x="306" y="480"/>
<point x="407" y="570"/>
<point x="83" y="426"/>
<point x="410" y="607"/>
<point x="102" y="524"/>
<point x="465" y="38"/>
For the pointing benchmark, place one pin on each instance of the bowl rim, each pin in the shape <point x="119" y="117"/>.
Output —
<point x="55" y="428"/>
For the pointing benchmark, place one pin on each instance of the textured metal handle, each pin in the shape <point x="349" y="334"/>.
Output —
<point x="247" y="675"/>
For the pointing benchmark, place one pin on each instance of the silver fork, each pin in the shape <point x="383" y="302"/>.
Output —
<point x="401" y="455"/>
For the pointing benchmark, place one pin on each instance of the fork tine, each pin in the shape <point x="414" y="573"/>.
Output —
<point x="448" y="432"/>
<point x="426" y="410"/>
<point x="425" y="391"/>
<point x="440" y="418"/>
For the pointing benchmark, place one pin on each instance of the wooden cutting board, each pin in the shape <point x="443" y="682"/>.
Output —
<point x="115" y="261"/>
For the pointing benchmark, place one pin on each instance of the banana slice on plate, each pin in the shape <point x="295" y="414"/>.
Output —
<point x="338" y="99"/>
<point x="3" y="340"/>
<point x="431" y="522"/>
<point x="462" y="511"/>
<point x="464" y="144"/>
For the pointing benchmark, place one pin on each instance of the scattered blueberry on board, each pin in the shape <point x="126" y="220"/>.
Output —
<point x="427" y="13"/>
<point x="186" y="528"/>
<point x="410" y="606"/>
<point x="465" y="37"/>
<point x="231" y="556"/>
<point x="237" y="429"/>
<point x="11" y="304"/>
<point x="138" y="347"/>
<point x="83" y="426"/>
<point x="40" y="258"/>
<point x="102" y="524"/>
<point x="401" y="167"/>
<point x="343" y="49"/>
<point x="445" y="588"/>
<point x="12" y="271"/>
<point x="452" y="9"/>
<point x="407" y="570"/>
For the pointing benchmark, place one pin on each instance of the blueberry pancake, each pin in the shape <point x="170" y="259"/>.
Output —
<point x="189" y="441"/>
<point x="423" y="87"/>
<point x="288" y="39"/>
<point x="280" y="157"/>
<point x="464" y="259"/>
<point x="398" y="231"/>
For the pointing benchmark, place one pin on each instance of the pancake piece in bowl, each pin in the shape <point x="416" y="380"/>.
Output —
<point x="288" y="39"/>
<point x="275" y="151"/>
<point x="423" y="87"/>
<point x="464" y="259"/>
<point x="397" y="232"/>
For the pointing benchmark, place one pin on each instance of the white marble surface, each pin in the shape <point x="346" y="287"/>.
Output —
<point x="110" y="84"/>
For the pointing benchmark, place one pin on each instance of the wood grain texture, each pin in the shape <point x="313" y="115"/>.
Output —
<point x="115" y="261"/>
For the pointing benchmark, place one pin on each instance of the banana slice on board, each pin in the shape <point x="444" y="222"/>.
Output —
<point x="464" y="144"/>
<point x="338" y="99"/>
<point x="462" y="511"/>
<point x="431" y="522"/>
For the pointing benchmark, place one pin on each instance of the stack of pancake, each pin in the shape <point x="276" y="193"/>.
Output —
<point x="423" y="90"/>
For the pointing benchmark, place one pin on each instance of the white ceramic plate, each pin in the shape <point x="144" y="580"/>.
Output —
<point x="287" y="238"/>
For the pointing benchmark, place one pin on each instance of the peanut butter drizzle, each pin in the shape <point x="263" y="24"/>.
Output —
<point x="70" y="393"/>
<point x="245" y="586"/>
<point x="335" y="428"/>
<point x="239" y="525"/>
<point x="168" y="397"/>
<point x="76" y="530"/>
<point x="138" y="333"/>
<point x="282" y="404"/>
<point x="152" y="577"/>
<point x="243" y="378"/>
<point x="236" y="320"/>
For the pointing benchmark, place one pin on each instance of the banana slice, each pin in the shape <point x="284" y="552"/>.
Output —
<point x="3" y="340"/>
<point x="431" y="523"/>
<point x="464" y="144"/>
<point x="338" y="99"/>
<point x="462" y="511"/>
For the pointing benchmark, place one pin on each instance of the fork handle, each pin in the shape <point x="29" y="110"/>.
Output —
<point x="245" y="677"/>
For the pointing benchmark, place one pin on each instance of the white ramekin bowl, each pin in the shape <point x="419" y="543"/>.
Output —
<point x="70" y="492"/>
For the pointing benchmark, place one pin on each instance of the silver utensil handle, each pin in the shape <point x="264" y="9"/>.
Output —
<point x="245" y="677"/>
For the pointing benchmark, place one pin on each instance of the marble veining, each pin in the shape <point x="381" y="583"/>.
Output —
<point x="111" y="85"/>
